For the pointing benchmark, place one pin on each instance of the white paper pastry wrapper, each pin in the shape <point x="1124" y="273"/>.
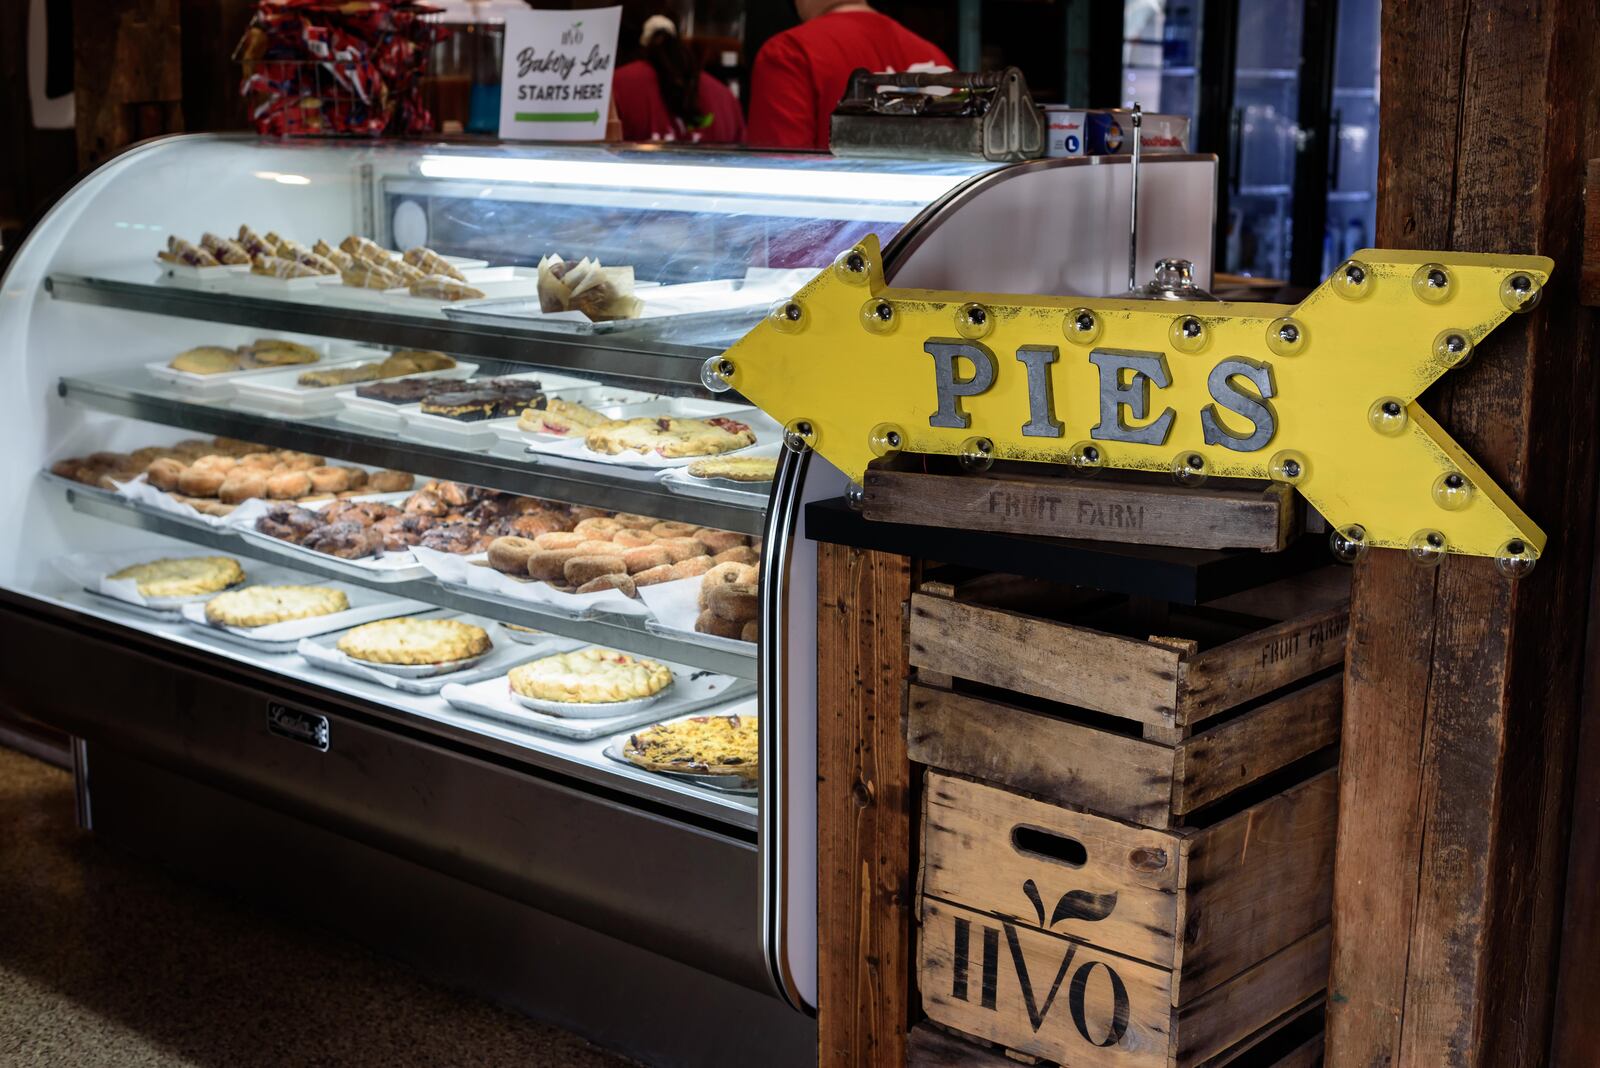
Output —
<point x="674" y="606"/>
<point x="366" y="606"/>
<point x="691" y="690"/>
<point x="141" y="493"/>
<point x="322" y="652"/>
<point x="461" y="571"/>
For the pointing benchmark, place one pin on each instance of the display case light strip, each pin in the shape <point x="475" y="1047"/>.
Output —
<point x="713" y="181"/>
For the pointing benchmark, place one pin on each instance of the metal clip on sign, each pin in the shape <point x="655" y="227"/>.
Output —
<point x="1321" y="396"/>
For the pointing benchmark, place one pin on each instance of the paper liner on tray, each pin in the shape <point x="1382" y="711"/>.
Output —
<point x="506" y="653"/>
<point x="141" y="493"/>
<point x="459" y="571"/>
<point x="692" y="690"/>
<point x="674" y="606"/>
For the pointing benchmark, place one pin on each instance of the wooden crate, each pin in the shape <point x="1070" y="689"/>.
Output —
<point x="1169" y="668"/>
<point x="1085" y="940"/>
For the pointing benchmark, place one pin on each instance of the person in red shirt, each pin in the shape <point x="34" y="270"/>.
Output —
<point x="801" y="74"/>
<point x="665" y="96"/>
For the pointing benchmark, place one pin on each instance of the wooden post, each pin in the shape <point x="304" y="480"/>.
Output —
<point x="128" y="72"/>
<point x="1462" y="690"/>
<point x="865" y="903"/>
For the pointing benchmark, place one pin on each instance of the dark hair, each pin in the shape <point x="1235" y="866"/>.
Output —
<point x="677" y="72"/>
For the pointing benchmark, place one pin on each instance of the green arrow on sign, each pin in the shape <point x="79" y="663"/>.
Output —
<point x="557" y="116"/>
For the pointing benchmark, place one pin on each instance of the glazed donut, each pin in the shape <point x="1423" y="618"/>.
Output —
<point x="581" y="569"/>
<point x="717" y="541"/>
<point x="680" y="549"/>
<point x="653" y="575"/>
<point x="510" y="555"/>
<point x="241" y="486"/>
<point x="220" y="464"/>
<point x="328" y="479"/>
<point x="737" y="603"/>
<point x="609" y="582"/>
<point x="739" y="554"/>
<point x="645" y="557"/>
<point x="560" y="539"/>
<point x="289" y="485"/>
<point x="549" y="565"/>
<point x="390" y="481"/>
<point x="634" y="521"/>
<point x="632" y="539"/>
<point x="598" y="527"/>
<point x="164" y="473"/>
<point x="692" y="567"/>
<point x="751" y="631"/>
<point x="197" y="481"/>
<point x="668" y="529"/>
<point x="711" y="623"/>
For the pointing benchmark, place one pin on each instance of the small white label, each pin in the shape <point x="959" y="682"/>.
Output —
<point x="556" y="81"/>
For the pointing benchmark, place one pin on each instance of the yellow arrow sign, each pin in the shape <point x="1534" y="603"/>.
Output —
<point x="1321" y="395"/>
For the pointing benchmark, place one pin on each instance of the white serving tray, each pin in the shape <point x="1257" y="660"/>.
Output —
<point x="322" y="652"/>
<point x="280" y="394"/>
<point x="692" y="689"/>
<point x="222" y="383"/>
<point x="365" y="607"/>
<point x="390" y="567"/>
<point x="767" y="432"/>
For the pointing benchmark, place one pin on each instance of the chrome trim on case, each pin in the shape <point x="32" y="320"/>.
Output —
<point x="772" y="685"/>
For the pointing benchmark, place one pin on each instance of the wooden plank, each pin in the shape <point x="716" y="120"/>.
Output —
<point x="1055" y="661"/>
<point x="1116" y="888"/>
<point x="1216" y="762"/>
<point x="932" y="1047"/>
<point x="1255" y="883"/>
<point x="1306" y="1055"/>
<point x="1041" y="993"/>
<point x="1232" y="1012"/>
<point x="1296" y="595"/>
<point x="1260" y="662"/>
<point x="127" y="67"/>
<point x="864" y="810"/>
<point x="1455" y="803"/>
<point x="1589" y="281"/>
<point x="1053" y="758"/>
<point x="1096" y="509"/>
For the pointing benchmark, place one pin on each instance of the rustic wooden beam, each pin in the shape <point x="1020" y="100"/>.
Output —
<point x="128" y="73"/>
<point x="1462" y="690"/>
<point x="1589" y="283"/>
<point x="865" y="901"/>
<point x="1089" y="509"/>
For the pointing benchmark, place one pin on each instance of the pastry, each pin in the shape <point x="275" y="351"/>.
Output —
<point x="276" y="352"/>
<point x="670" y="437"/>
<point x="549" y="565"/>
<point x="439" y="287"/>
<point x="206" y="360"/>
<point x="561" y="417"/>
<point x="736" y="603"/>
<point x="600" y="583"/>
<point x="328" y="479"/>
<point x="415" y="641"/>
<point x="716" y="541"/>
<point x="562" y="539"/>
<point x="457" y="536"/>
<point x="729" y="574"/>
<point x="197" y="481"/>
<point x="344" y="539"/>
<point x="163" y="473"/>
<point x="700" y="745"/>
<point x="736" y="468"/>
<point x="695" y="565"/>
<point x="364" y="512"/>
<point x="390" y="481"/>
<point x="645" y="557"/>
<point x="254" y="243"/>
<point x="652" y="576"/>
<point x="680" y="549"/>
<point x="336" y="256"/>
<point x="414" y="361"/>
<point x="633" y="539"/>
<point x="226" y="250"/>
<point x="272" y="267"/>
<point x="597" y="527"/>
<point x="289" y="522"/>
<point x="364" y="274"/>
<point x="361" y="247"/>
<point x="668" y="529"/>
<point x="750" y="632"/>
<point x="401" y="532"/>
<point x="406" y="390"/>
<point x="708" y="622"/>
<point x="180" y="251"/>
<point x="241" y="484"/>
<point x="739" y="554"/>
<point x="339" y="376"/>
<point x="582" y="568"/>
<point x="590" y="676"/>
<point x="187" y="576"/>
<point x="288" y="485"/>
<point x="465" y="405"/>
<point x="431" y="263"/>
<point x="260" y="606"/>
<point x="527" y="525"/>
<point x="510" y="554"/>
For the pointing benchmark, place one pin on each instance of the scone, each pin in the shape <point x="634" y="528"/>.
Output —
<point x="590" y="676"/>
<point x="184" y="577"/>
<point x="699" y="745"/>
<point x="670" y="438"/>
<point x="260" y="606"/>
<point x="415" y="641"/>
<point x="736" y="468"/>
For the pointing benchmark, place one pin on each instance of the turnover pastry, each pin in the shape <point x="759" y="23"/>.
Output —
<point x="187" y="576"/>
<point x="590" y="676"/>
<point x="736" y="468"/>
<point x="415" y="641"/>
<point x="669" y="437"/>
<point x="260" y="606"/>
<point x="561" y="417"/>
<point x="440" y="287"/>
<point x="699" y="745"/>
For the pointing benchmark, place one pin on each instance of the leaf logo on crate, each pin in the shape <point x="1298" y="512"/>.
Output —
<point x="1072" y="905"/>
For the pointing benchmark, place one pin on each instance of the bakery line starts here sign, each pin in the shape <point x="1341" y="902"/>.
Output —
<point x="1322" y="395"/>
<point x="555" y="81"/>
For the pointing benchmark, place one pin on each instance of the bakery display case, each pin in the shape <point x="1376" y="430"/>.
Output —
<point x="386" y="491"/>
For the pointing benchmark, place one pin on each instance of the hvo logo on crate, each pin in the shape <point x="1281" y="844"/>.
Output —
<point x="1321" y="396"/>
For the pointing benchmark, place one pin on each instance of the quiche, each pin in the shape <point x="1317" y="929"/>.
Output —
<point x="184" y="577"/>
<point x="415" y="641"/>
<point x="260" y="606"/>
<point x="590" y="676"/>
<point x="669" y="437"/>
<point x="699" y="745"/>
<point x="737" y="468"/>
